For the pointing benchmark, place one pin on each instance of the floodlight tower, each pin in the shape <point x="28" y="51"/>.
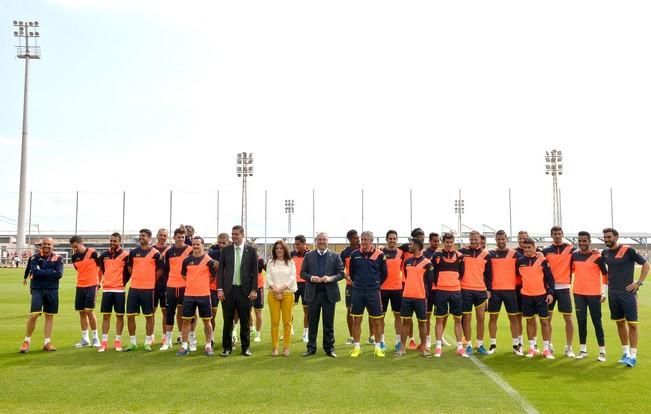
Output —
<point x="244" y="170"/>
<point x="24" y="31"/>
<point x="289" y="210"/>
<point x="459" y="209"/>
<point x="554" y="167"/>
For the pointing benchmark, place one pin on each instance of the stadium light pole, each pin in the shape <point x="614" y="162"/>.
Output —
<point x="24" y="31"/>
<point x="554" y="167"/>
<point x="244" y="170"/>
<point x="289" y="210"/>
<point x="459" y="209"/>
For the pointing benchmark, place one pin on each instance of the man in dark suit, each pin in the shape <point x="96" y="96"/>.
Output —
<point x="237" y="282"/>
<point x="322" y="270"/>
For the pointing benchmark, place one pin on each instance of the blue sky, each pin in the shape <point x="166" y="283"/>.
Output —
<point x="148" y="96"/>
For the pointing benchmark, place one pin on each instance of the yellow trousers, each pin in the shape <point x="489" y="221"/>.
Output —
<point x="277" y="308"/>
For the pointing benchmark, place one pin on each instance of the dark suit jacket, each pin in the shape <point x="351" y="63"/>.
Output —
<point x="333" y="267"/>
<point x="248" y="269"/>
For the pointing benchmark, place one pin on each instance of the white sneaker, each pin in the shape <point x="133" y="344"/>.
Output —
<point x="581" y="355"/>
<point x="193" y="346"/>
<point x="569" y="353"/>
<point x="82" y="344"/>
<point x="257" y="339"/>
<point x="305" y="339"/>
<point x="96" y="343"/>
<point x="601" y="357"/>
<point x="165" y="347"/>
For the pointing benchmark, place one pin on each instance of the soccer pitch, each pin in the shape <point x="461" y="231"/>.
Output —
<point x="82" y="380"/>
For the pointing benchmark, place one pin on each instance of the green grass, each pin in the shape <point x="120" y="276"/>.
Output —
<point x="72" y="380"/>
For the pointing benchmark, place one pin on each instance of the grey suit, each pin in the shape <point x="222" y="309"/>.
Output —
<point x="322" y="296"/>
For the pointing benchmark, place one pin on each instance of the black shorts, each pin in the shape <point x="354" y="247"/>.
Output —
<point x="623" y="305"/>
<point x="192" y="303"/>
<point x="160" y="297"/>
<point x="85" y="298"/>
<point x="411" y="306"/>
<point x="534" y="305"/>
<point x="431" y="299"/>
<point x="258" y="303"/>
<point x="369" y="299"/>
<point x="214" y="300"/>
<point x="508" y="297"/>
<point x="349" y="295"/>
<point x="470" y="298"/>
<point x="448" y="302"/>
<point x="300" y="293"/>
<point x="174" y="299"/>
<point x="140" y="300"/>
<point x="391" y="296"/>
<point x="518" y="297"/>
<point x="564" y="300"/>
<point x="112" y="302"/>
<point x="45" y="301"/>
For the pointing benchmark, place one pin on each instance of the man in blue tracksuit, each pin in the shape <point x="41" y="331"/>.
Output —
<point x="44" y="269"/>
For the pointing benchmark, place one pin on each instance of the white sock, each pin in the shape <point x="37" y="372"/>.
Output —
<point x="168" y="337"/>
<point x="602" y="349"/>
<point x="583" y="348"/>
<point x="493" y="341"/>
<point x="257" y="333"/>
<point x="132" y="338"/>
<point x="479" y="343"/>
<point x="516" y="341"/>
<point x="438" y="344"/>
<point x="185" y="345"/>
<point x="520" y="339"/>
<point x="532" y="343"/>
<point x="84" y="335"/>
<point x="398" y="337"/>
<point x="382" y="338"/>
<point x="459" y="345"/>
<point x="546" y="345"/>
<point x="46" y="341"/>
<point x="633" y="352"/>
<point x="627" y="350"/>
<point x="377" y="345"/>
<point x="104" y="337"/>
<point x="356" y="344"/>
<point x="28" y="339"/>
<point x="304" y="331"/>
<point x="192" y="336"/>
<point x="568" y="347"/>
<point x="409" y="339"/>
<point x="469" y="343"/>
<point x="118" y="337"/>
<point x="95" y="334"/>
<point x="208" y="346"/>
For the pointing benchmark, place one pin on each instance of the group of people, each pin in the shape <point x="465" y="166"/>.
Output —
<point x="188" y="283"/>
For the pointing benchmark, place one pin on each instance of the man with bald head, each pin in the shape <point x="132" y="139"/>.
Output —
<point x="322" y="269"/>
<point x="44" y="269"/>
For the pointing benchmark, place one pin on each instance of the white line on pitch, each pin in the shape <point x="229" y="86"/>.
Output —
<point x="526" y="406"/>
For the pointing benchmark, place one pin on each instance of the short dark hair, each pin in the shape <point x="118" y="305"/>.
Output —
<point x="300" y="238"/>
<point x="500" y="233"/>
<point x="530" y="241"/>
<point x="350" y="234"/>
<point x="180" y="230"/>
<point x="432" y="235"/>
<point x="482" y="237"/>
<point x="146" y="231"/>
<point x="584" y="233"/>
<point x="417" y="232"/>
<point x="117" y="235"/>
<point x="418" y="243"/>
<point x="76" y="239"/>
<point x="556" y="228"/>
<point x="238" y="228"/>
<point x="198" y="238"/>
<point x="391" y="232"/>
<point x="610" y="230"/>
<point x="448" y="236"/>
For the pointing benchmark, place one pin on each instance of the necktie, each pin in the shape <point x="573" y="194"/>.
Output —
<point x="236" y="276"/>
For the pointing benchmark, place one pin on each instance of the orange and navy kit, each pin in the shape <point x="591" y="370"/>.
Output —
<point x="391" y="289"/>
<point x="87" y="266"/>
<point x="419" y="276"/>
<point x="537" y="283"/>
<point x="590" y="276"/>
<point x="448" y="268"/>
<point x="504" y="281"/>
<point x="368" y="271"/>
<point x="476" y="278"/>
<point x="559" y="257"/>
<point x="431" y="297"/>
<point x="298" y="258"/>
<point x="621" y="268"/>
<point x="160" y="293"/>
<point x="115" y="274"/>
<point x="175" y="289"/>
<point x="144" y="265"/>
<point x="345" y="258"/>
<point x="198" y="272"/>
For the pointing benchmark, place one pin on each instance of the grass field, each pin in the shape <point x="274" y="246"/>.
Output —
<point x="72" y="380"/>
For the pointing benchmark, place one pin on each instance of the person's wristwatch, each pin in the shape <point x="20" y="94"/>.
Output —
<point x="639" y="283"/>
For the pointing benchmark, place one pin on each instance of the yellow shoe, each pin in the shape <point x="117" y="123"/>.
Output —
<point x="379" y="352"/>
<point x="356" y="352"/>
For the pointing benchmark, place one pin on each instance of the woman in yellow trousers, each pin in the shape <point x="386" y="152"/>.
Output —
<point x="281" y="285"/>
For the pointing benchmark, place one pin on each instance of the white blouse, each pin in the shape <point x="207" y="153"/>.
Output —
<point x="279" y="273"/>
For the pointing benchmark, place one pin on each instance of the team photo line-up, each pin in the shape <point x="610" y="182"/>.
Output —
<point x="188" y="283"/>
